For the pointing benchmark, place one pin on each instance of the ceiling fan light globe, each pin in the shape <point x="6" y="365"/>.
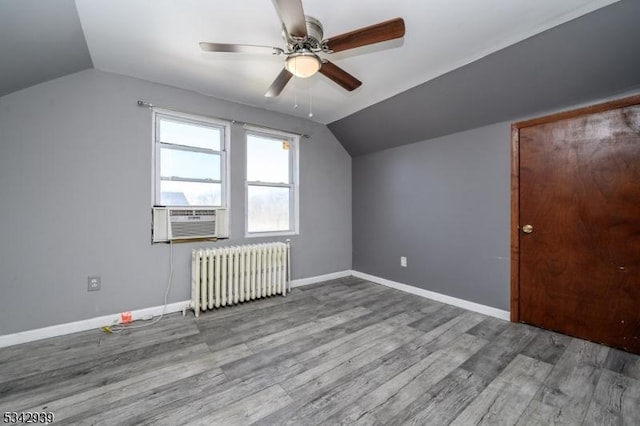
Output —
<point x="303" y="64"/>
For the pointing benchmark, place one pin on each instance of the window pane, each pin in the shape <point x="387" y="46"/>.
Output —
<point x="268" y="209"/>
<point x="190" y="194"/>
<point x="267" y="159"/>
<point x="190" y="134"/>
<point x="189" y="164"/>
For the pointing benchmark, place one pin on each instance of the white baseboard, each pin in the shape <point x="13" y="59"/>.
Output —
<point x="461" y="303"/>
<point x="88" y="324"/>
<point x="319" y="278"/>
<point x="96" y="323"/>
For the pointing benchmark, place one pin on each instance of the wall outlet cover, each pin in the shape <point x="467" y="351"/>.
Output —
<point x="94" y="283"/>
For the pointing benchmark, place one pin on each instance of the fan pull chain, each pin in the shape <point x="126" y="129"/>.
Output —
<point x="310" y="103"/>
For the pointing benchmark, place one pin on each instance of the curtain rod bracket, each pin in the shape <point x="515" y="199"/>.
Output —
<point x="145" y="104"/>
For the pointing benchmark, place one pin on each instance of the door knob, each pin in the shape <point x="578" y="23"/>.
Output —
<point x="527" y="229"/>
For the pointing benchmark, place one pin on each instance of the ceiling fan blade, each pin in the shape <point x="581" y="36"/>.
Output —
<point x="387" y="30"/>
<point x="292" y="16"/>
<point x="340" y="76"/>
<point x="278" y="84"/>
<point x="239" y="48"/>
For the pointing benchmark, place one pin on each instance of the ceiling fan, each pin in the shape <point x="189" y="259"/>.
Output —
<point x="303" y="38"/>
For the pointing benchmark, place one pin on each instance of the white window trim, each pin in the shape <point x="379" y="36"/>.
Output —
<point x="225" y="198"/>
<point x="294" y="175"/>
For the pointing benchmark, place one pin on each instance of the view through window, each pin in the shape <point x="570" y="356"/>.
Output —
<point x="271" y="182"/>
<point x="190" y="161"/>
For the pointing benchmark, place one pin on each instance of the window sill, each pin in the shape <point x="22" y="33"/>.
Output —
<point x="270" y="234"/>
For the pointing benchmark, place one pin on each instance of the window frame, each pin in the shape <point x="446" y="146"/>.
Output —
<point x="180" y="117"/>
<point x="293" y="185"/>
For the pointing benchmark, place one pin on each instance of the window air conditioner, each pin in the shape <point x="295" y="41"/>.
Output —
<point x="183" y="223"/>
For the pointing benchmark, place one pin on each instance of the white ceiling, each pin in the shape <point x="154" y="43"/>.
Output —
<point x="157" y="40"/>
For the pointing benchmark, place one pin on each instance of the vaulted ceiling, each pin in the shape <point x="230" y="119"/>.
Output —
<point x="460" y="65"/>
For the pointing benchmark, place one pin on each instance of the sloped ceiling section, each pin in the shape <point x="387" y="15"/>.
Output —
<point x="39" y="41"/>
<point x="596" y="55"/>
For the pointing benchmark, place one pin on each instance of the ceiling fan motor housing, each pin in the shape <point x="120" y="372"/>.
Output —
<point x="314" y="30"/>
<point x="311" y="41"/>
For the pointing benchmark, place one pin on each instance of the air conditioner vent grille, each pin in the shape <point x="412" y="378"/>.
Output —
<point x="193" y="229"/>
<point x="187" y="212"/>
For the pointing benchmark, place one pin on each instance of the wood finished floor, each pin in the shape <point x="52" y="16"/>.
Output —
<point x="342" y="352"/>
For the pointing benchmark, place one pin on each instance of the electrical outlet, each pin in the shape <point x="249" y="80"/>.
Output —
<point x="94" y="283"/>
<point x="403" y="261"/>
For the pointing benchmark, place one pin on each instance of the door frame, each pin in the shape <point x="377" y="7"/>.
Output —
<point x="515" y="182"/>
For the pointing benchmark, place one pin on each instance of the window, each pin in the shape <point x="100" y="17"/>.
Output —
<point x="271" y="182"/>
<point x="190" y="160"/>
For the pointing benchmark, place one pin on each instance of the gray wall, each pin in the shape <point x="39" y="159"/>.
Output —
<point x="75" y="196"/>
<point x="445" y="204"/>
<point x="442" y="203"/>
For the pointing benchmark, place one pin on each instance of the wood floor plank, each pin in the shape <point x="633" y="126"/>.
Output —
<point x="489" y="329"/>
<point x="567" y="391"/>
<point x="317" y="325"/>
<point x="323" y="356"/>
<point x="352" y="293"/>
<point x="330" y="287"/>
<point x="437" y="318"/>
<point x="493" y="358"/>
<point x="318" y="354"/>
<point x="245" y="411"/>
<point x="251" y="308"/>
<point x="329" y="284"/>
<point x="541" y="414"/>
<point x="504" y="400"/>
<point x="392" y="397"/>
<point x="130" y="388"/>
<point x="231" y="354"/>
<point x="335" y="369"/>
<point x="151" y="404"/>
<point x="281" y="315"/>
<point x="444" y="401"/>
<point x="207" y="402"/>
<point x="257" y="330"/>
<point x="547" y="346"/>
<point x="104" y="348"/>
<point x="444" y="333"/>
<point x="615" y="401"/>
<point x="36" y="389"/>
<point x="306" y="341"/>
<point x="390" y="300"/>
<point x="313" y="404"/>
<point x="624" y="363"/>
<point x="282" y="346"/>
<point x="90" y="341"/>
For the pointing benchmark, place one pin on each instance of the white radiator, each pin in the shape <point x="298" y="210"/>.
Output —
<point x="230" y="275"/>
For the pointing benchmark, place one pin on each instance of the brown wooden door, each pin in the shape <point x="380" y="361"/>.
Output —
<point x="579" y="190"/>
